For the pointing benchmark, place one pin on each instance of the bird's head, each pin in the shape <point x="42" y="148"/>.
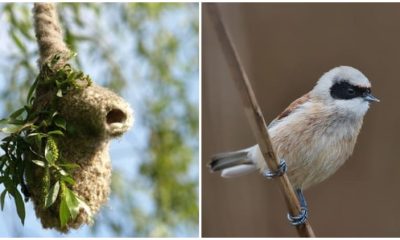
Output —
<point x="345" y="89"/>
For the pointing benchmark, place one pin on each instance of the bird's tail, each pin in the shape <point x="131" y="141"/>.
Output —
<point x="232" y="164"/>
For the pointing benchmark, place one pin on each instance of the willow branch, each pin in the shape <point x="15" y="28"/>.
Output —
<point x="255" y="116"/>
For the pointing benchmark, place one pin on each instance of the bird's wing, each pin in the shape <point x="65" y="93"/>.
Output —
<point x="290" y="109"/>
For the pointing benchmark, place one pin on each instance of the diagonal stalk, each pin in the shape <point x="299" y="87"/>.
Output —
<point x="255" y="116"/>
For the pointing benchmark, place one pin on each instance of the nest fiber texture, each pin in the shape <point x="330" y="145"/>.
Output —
<point x="86" y="143"/>
<point x="48" y="32"/>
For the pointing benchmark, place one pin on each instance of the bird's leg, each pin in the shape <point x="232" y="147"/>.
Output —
<point x="302" y="217"/>
<point x="282" y="168"/>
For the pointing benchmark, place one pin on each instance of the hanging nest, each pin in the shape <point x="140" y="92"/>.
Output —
<point x="60" y="148"/>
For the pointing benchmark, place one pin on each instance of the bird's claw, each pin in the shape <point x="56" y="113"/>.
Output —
<point x="282" y="168"/>
<point x="299" y="219"/>
<point x="302" y="217"/>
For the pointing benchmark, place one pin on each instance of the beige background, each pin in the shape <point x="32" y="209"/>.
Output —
<point x="285" y="49"/>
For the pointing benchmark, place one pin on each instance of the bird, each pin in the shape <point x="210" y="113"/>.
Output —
<point x="312" y="137"/>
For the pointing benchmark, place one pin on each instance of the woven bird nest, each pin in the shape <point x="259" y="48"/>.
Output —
<point x="67" y="167"/>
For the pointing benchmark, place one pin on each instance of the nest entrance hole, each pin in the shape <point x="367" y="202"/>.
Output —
<point x="116" y="116"/>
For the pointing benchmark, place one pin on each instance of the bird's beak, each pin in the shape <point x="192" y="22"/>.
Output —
<point x="370" y="98"/>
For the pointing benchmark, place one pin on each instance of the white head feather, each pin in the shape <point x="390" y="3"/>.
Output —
<point x="356" y="107"/>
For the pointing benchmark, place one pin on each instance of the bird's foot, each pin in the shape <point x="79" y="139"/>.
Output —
<point x="299" y="219"/>
<point x="282" y="168"/>
<point x="302" y="217"/>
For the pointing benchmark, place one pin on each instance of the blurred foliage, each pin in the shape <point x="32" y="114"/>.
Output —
<point x="162" y="58"/>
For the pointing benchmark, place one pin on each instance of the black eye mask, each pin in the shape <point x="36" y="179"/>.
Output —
<point x="344" y="90"/>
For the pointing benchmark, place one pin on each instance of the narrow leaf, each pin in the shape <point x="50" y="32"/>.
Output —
<point x="39" y="163"/>
<point x="64" y="213"/>
<point x="37" y="134"/>
<point x="60" y="122"/>
<point x="52" y="196"/>
<point x="20" y="206"/>
<point x="69" y="165"/>
<point x="72" y="203"/>
<point x="4" y="121"/>
<point x="18" y="42"/>
<point x="17" y="113"/>
<point x="2" y="197"/>
<point x="68" y="180"/>
<point x="11" y="129"/>
<point x="32" y="90"/>
<point x="59" y="93"/>
<point x="62" y="172"/>
<point x="8" y="182"/>
<point x="56" y="132"/>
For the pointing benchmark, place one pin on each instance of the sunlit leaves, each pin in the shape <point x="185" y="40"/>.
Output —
<point x="64" y="212"/>
<point x="72" y="203"/>
<point x="67" y="179"/>
<point x="39" y="163"/>
<point x="11" y="129"/>
<point x="33" y="138"/>
<point x="172" y="141"/>
<point x="70" y="206"/>
<point x="53" y="194"/>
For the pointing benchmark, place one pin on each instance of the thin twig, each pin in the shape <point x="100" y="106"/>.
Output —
<point x="255" y="116"/>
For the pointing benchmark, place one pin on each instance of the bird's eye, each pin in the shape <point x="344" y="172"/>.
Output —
<point x="345" y="91"/>
<point x="351" y="91"/>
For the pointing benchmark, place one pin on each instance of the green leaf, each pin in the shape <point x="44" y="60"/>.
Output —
<point x="2" y="197"/>
<point x="11" y="129"/>
<point x="60" y="122"/>
<point x="69" y="165"/>
<point x="72" y="203"/>
<point x="16" y="122"/>
<point x="64" y="212"/>
<point x="18" y="42"/>
<point x="17" y="113"/>
<point x="32" y="90"/>
<point x="8" y="183"/>
<point x="56" y="132"/>
<point x="12" y="121"/>
<point x="62" y="172"/>
<point x="4" y="121"/>
<point x="39" y="163"/>
<point x="59" y="93"/>
<point x="68" y="180"/>
<point x="37" y="134"/>
<point x="52" y="195"/>
<point x="20" y="206"/>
